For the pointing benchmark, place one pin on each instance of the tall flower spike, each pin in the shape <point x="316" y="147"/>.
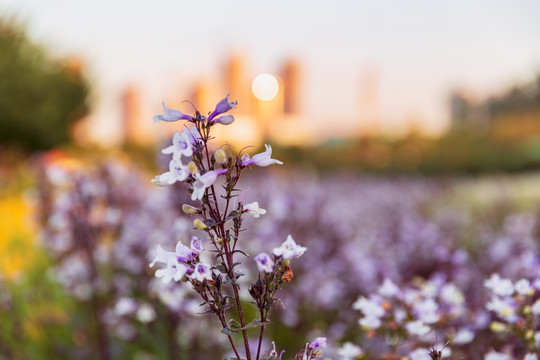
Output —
<point x="222" y="107"/>
<point x="262" y="159"/>
<point x="170" y="115"/>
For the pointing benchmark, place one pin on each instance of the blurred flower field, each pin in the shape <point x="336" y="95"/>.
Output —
<point x="394" y="266"/>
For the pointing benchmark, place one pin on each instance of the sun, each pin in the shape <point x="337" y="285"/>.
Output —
<point x="265" y="87"/>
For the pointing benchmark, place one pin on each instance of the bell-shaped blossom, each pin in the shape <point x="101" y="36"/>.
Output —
<point x="222" y="107"/>
<point x="319" y="342"/>
<point x="201" y="272"/>
<point x="224" y="120"/>
<point x="177" y="172"/>
<point x="254" y="209"/>
<point x="499" y="286"/>
<point x="196" y="246"/>
<point x="182" y="253"/>
<point x="289" y="250"/>
<point x="171" y="115"/>
<point x="264" y="262"/>
<point x="182" y="144"/>
<point x="174" y="271"/>
<point x="261" y="159"/>
<point x="203" y="182"/>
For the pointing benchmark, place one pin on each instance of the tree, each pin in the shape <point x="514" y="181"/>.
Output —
<point x="40" y="97"/>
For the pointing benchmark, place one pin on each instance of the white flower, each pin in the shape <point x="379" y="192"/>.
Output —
<point x="264" y="262"/>
<point x="262" y="159"/>
<point x="146" y="313"/>
<point x="420" y="354"/>
<point x="493" y="355"/>
<point x="174" y="271"/>
<point x="417" y="328"/>
<point x="452" y="295"/>
<point x="523" y="287"/>
<point x="530" y="356"/>
<point x="370" y="321"/>
<point x="182" y="144"/>
<point x="125" y="306"/>
<point x="536" y="307"/>
<point x="182" y="253"/>
<point x="177" y="172"/>
<point x="369" y="307"/>
<point x="388" y="288"/>
<point x="427" y="311"/>
<point x="463" y="336"/>
<point x="349" y="351"/>
<point x="202" y="272"/>
<point x="254" y="209"/>
<point x="203" y="182"/>
<point x="506" y="308"/>
<point x="289" y="249"/>
<point x="499" y="286"/>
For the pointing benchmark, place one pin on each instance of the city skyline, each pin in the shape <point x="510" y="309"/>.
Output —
<point x="420" y="52"/>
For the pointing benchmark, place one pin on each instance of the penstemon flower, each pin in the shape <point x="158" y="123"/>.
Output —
<point x="221" y="221"/>
<point x="263" y="159"/>
<point x="170" y="115"/>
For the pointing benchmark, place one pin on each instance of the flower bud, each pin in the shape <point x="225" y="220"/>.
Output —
<point x="225" y="120"/>
<point x="220" y="156"/>
<point x="286" y="262"/>
<point x="529" y="335"/>
<point x="192" y="168"/>
<point x="199" y="224"/>
<point x="497" y="326"/>
<point x="188" y="209"/>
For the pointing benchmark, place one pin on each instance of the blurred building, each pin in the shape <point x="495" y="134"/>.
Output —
<point x="515" y="113"/>
<point x="136" y="130"/>
<point x="369" y="117"/>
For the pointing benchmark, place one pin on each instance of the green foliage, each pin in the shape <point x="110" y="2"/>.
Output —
<point x="40" y="98"/>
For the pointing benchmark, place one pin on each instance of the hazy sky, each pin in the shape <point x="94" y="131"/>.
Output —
<point x="420" y="48"/>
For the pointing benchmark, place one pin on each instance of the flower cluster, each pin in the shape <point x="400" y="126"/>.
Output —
<point x="516" y="307"/>
<point x="219" y="215"/>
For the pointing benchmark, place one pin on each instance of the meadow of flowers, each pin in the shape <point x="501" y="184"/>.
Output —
<point x="388" y="268"/>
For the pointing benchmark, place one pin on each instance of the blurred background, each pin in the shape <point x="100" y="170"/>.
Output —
<point x="418" y="117"/>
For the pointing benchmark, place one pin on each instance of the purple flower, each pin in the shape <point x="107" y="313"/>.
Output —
<point x="264" y="262"/>
<point x="262" y="159"/>
<point x="204" y="181"/>
<point x="202" y="272"/>
<point x="177" y="172"/>
<point x="222" y="107"/>
<point x="171" y="115"/>
<point x="182" y="144"/>
<point x="318" y="342"/>
<point x="224" y="120"/>
<point x="196" y="246"/>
